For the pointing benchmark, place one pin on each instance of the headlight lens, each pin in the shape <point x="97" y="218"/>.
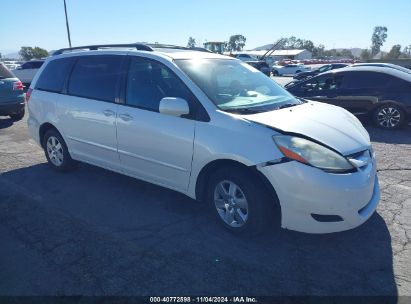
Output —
<point x="311" y="153"/>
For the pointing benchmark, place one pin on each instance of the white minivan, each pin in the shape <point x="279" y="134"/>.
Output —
<point x="211" y="127"/>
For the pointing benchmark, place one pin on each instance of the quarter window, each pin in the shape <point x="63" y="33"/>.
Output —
<point x="96" y="77"/>
<point x="54" y="75"/>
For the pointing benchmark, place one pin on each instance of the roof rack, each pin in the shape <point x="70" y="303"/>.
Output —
<point x="167" y="46"/>
<point x="138" y="46"/>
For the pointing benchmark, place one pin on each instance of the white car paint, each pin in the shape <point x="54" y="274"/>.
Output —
<point x="289" y="69"/>
<point x="171" y="151"/>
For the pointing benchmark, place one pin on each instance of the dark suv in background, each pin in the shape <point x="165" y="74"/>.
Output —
<point x="382" y="93"/>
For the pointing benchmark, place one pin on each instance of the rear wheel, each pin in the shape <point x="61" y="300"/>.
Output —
<point x="17" y="116"/>
<point x="275" y="73"/>
<point x="389" y="116"/>
<point x="56" y="151"/>
<point x="239" y="202"/>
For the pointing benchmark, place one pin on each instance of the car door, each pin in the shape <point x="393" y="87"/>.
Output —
<point x="88" y="110"/>
<point x="154" y="146"/>
<point x="363" y="90"/>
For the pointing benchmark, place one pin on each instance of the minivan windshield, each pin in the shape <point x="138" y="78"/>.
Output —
<point x="234" y="86"/>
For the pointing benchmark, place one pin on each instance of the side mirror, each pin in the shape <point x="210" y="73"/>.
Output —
<point x="174" y="106"/>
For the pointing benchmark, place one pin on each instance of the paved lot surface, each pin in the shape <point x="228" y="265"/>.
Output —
<point x="94" y="232"/>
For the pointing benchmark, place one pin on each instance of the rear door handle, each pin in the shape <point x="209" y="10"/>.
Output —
<point x="126" y="117"/>
<point x="108" y="113"/>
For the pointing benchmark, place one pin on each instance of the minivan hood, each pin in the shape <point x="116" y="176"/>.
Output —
<point x="330" y="125"/>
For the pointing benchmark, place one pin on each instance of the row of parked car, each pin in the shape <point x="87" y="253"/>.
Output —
<point x="217" y="130"/>
<point x="379" y="90"/>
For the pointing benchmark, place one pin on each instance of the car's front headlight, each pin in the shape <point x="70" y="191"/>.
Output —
<point x="311" y="153"/>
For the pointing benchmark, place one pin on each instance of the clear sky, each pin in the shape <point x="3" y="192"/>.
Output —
<point x="348" y="24"/>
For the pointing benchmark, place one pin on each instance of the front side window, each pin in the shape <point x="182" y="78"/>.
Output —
<point x="96" y="77"/>
<point x="323" y="83"/>
<point x="235" y="86"/>
<point x="149" y="81"/>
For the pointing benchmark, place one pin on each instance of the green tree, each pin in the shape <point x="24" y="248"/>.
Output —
<point x="365" y="54"/>
<point x="191" y="42"/>
<point x="407" y="51"/>
<point x="318" y="51"/>
<point x="378" y="38"/>
<point x="346" y="53"/>
<point x="236" y="43"/>
<point x="395" y="52"/>
<point x="28" y="53"/>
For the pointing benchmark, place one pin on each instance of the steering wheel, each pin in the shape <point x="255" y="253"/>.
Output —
<point x="236" y="89"/>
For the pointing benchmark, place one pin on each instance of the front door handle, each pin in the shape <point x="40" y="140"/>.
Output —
<point x="126" y="117"/>
<point x="108" y="113"/>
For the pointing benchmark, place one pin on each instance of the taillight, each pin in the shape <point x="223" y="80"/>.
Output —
<point x="28" y="94"/>
<point x="17" y="86"/>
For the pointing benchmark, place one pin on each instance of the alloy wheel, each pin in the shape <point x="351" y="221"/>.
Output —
<point x="55" y="151"/>
<point x="389" y="117"/>
<point x="231" y="204"/>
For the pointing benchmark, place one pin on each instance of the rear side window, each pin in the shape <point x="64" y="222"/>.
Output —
<point x="367" y="80"/>
<point x="5" y="73"/>
<point x="96" y="77"/>
<point x="54" y="75"/>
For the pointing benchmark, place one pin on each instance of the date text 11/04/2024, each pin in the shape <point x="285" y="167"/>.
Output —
<point x="203" y="300"/>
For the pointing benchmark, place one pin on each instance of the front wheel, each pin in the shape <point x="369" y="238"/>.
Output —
<point x="239" y="202"/>
<point x="389" y="116"/>
<point x="56" y="151"/>
<point x="275" y="73"/>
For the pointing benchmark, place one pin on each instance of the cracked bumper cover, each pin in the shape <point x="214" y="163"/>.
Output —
<point x="303" y="190"/>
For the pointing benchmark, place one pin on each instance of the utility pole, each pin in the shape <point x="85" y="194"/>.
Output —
<point x="67" y="24"/>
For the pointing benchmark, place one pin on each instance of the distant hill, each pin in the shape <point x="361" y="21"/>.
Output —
<point x="11" y="55"/>
<point x="263" y="47"/>
<point x="355" y="51"/>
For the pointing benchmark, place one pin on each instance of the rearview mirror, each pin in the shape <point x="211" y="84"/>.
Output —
<point x="174" y="106"/>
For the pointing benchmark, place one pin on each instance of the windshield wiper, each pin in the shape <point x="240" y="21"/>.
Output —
<point x="242" y="110"/>
<point x="288" y="105"/>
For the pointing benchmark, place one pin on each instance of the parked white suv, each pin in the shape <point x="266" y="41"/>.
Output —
<point x="211" y="127"/>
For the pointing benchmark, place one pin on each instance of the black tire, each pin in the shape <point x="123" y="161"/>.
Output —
<point x="275" y="73"/>
<point x="18" y="116"/>
<point x="260" y="210"/>
<point x="389" y="116"/>
<point x="296" y="72"/>
<point x="67" y="162"/>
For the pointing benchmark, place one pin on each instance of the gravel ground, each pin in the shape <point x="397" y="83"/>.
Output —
<point x="94" y="232"/>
